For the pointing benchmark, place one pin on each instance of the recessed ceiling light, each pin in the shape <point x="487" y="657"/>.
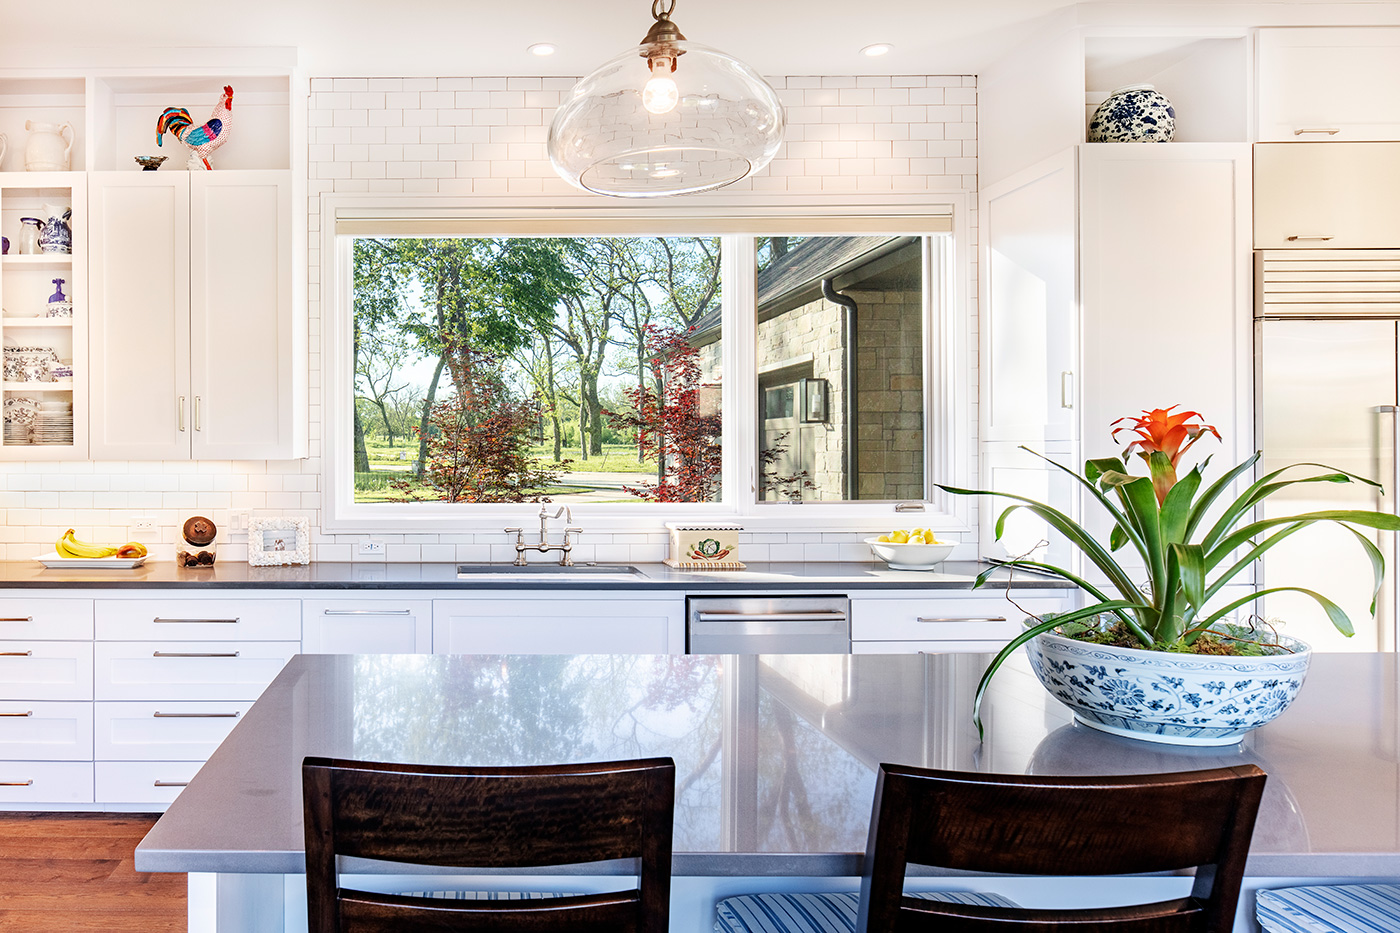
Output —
<point x="541" y="49"/>
<point x="876" y="50"/>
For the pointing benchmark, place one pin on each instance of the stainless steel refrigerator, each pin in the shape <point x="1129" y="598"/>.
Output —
<point x="1327" y="341"/>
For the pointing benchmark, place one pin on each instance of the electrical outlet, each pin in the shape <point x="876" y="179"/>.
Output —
<point x="371" y="548"/>
<point x="143" y="525"/>
<point x="238" y="520"/>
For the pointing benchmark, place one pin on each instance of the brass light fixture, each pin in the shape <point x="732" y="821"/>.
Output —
<point x="668" y="117"/>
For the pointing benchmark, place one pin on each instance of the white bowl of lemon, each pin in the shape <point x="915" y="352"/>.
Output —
<point x="910" y="550"/>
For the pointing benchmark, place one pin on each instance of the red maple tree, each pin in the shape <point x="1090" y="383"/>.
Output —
<point x="670" y="426"/>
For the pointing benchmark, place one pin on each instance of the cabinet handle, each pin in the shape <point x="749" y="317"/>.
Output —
<point x="16" y="783"/>
<point x="1309" y="236"/>
<point x="159" y="715"/>
<point x="171" y="784"/>
<point x="197" y="621"/>
<point x="196" y="414"/>
<point x="180" y="410"/>
<point x="194" y="654"/>
<point x="19" y="619"/>
<point x="16" y="654"/>
<point x="17" y="715"/>
<point x="368" y="612"/>
<point x="963" y="619"/>
<point x="1066" y="390"/>
<point x="1329" y="130"/>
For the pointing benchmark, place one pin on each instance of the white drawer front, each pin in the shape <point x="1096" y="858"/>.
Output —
<point x="935" y="619"/>
<point x="46" y="731"/>
<point x="47" y="619"/>
<point x="367" y="626"/>
<point x="199" y="619"/>
<point x="32" y="782"/>
<point x="927" y="647"/>
<point x="143" y="781"/>
<point x="46" y="670"/>
<point x="191" y="670"/>
<point x="163" y="731"/>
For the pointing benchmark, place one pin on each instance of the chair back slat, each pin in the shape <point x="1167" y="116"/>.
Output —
<point x="1038" y="825"/>
<point x="460" y="817"/>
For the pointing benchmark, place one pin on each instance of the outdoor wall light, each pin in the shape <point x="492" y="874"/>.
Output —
<point x="814" y="392"/>
<point x="668" y="117"/>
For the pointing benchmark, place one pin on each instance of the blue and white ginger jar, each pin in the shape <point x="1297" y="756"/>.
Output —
<point x="1133" y="114"/>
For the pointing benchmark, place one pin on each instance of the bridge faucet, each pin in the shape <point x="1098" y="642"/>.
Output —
<point x="565" y="550"/>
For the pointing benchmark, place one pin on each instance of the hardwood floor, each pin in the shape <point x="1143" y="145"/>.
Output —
<point x="73" y="873"/>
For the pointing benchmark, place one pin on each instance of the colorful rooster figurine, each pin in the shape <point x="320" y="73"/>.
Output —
<point x="202" y="140"/>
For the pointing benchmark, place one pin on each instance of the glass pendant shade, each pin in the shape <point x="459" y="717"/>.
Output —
<point x="636" y="128"/>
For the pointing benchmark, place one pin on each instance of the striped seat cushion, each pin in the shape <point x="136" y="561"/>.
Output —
<point x="487" y="895"/>
<point x="817" y="913"/>
<point x="1330" y="908"/>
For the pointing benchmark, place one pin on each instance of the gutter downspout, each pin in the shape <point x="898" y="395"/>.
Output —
<point x="849" y="408"/>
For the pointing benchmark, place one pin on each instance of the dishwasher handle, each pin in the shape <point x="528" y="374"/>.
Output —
<point x="832" y="615"/>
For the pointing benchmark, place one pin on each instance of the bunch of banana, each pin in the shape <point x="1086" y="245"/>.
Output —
<point x="70" y="546"/>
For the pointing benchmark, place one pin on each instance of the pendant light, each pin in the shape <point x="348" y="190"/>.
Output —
<point x="668" y="117"/>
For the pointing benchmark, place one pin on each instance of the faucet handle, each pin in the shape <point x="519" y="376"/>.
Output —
<point x="516" y="530"/>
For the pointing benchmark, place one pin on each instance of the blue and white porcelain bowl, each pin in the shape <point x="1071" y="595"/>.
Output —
<point x="1133" y="114"/>
<point x="1179" y="699"/>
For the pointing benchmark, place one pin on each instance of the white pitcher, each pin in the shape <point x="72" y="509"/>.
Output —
<point x="47" y="149"/>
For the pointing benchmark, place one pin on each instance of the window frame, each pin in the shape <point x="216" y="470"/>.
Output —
<point x="949" y="355"/>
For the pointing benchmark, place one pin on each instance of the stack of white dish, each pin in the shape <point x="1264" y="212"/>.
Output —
<point x="16" y="432"/>
<point x="53" y="424"/>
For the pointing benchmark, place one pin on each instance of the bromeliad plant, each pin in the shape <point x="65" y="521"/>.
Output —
<point x="1188" y="557"/>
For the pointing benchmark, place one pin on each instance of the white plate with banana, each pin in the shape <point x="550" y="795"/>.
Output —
<point x="70" y="552"/>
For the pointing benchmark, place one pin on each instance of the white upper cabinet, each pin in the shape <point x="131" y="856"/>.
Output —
<point x="1335" y="83"/>
<point x="193" y="335"/>
<point x="1327" y="195"/>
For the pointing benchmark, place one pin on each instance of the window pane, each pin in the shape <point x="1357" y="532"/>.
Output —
<point x="506" y="369"/>
<point x="840" y="352"/>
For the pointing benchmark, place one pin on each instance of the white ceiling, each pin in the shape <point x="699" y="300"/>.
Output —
<point x="490" y="37"/>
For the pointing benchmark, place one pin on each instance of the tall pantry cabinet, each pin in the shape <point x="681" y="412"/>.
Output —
<point x="192" y="313"/>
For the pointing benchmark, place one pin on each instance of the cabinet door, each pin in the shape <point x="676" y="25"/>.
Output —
<point x="358" y="626"/>
<point x="577" y="625"/>
<point x="139" y="292"/>
<point x="243" y="348"/>
<point x="1327" y="196"/>
<point x="1166" y="271"/>
<point x="1329" y="83"/>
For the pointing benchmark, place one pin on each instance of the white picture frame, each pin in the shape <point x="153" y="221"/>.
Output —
<point x="275" y="541"/>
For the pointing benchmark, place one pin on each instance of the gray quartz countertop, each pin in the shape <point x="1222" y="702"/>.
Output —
<point x="775" y="577"/>
<point x="775" y="754"/>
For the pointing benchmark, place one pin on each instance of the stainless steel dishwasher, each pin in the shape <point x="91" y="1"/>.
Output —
<point x="768" y="625"/>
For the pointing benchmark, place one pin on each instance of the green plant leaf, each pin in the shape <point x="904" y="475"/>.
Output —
<point x="1176" y="510"/>
<point x="1117" y="538"/>
<point x="1097" y="468"/>
<point x="1080" y="582"/>
<point x="1250" y="557"/>
<point x="1334" y="612"/>
<point x="1213" y="491"/>
<point x="1141" y="499"/>
<point x="1385" y="521"/>
<point x="1093" y="469"/>
<point x="1377" y="564"/>
<point x="1191" y="561"/>
<point x="1027" y="635"/>
<point x="1264" y="487"/>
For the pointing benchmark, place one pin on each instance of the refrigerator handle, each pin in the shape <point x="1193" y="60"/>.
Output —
<point x="1386" y="499"/>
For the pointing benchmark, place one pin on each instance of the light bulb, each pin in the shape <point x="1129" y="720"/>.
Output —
<point x="660" y="94"/>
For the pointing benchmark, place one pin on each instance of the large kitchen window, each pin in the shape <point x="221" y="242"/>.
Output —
<point x="662" y="372"/>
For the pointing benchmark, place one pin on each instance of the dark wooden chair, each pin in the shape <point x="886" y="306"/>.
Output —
<point x="1060" y="826"/>
<point x="462" y="817"/>
<point x="1012" y="824"/>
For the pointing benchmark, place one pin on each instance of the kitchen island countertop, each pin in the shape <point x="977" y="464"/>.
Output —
<point x="767" y="577"/>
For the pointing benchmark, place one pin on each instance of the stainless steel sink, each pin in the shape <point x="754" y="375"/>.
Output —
<point x="589" y="571"/>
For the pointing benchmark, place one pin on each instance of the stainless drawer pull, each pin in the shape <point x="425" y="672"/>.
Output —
<point x="963" y="619"/>
<point x="16" y="654"/>
<point x="159" y="715"/>
<point x="368" y="612"/>
<point x="171" y="784"/>
<point x="16" y="783"/>
<point x="17" y="715"/>
<point x="1309" y="236"/>
<point x="194" y="654"/>
<point x="1329" y="130"/>
<point x="816" y="616"/>
<point x="22" y="619"/>
<point x="196" y="621"/>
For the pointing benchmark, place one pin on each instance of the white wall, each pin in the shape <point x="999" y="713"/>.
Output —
<point x="485" y="136"/>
